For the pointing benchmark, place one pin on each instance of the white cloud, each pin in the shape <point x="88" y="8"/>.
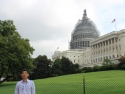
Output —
<point x="48" y="47"/>
<point x="48" y="23"/>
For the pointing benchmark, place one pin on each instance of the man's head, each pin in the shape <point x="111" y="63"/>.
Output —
<point x="24" y="74"/>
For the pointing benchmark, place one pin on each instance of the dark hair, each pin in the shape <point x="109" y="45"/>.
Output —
<point x="24" y="70"/>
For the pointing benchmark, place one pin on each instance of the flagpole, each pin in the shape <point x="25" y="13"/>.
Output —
<point x="115" y="25"/>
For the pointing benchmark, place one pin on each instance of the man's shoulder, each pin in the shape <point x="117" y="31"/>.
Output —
<point x="30" y="81"/>
<point x="19" y="82"/>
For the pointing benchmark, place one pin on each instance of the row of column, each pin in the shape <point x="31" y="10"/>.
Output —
<point x="105" y="49"/>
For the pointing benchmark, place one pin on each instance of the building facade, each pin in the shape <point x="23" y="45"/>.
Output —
<point x="88" y="48"/>
<point x="109" y="46"/>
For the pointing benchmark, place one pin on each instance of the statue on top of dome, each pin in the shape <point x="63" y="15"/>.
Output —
<point x="85" y="13"/>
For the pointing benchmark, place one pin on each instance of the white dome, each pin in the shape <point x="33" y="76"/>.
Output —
<point x="84" y="31"/>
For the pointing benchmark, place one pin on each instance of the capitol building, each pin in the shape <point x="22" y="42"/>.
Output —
<point x="88" y="48"/>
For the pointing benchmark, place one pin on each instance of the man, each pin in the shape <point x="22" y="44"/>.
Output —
<point x="25" y="86"/>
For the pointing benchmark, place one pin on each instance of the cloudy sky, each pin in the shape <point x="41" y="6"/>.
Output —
<point x="48" y="23"/>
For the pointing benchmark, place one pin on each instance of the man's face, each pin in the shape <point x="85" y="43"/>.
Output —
<point x="24" y="75"/>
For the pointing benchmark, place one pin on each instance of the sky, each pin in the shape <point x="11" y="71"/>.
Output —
<point x="48" y="24"/>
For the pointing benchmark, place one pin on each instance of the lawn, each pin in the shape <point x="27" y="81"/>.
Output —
<point x="103" y="82"/>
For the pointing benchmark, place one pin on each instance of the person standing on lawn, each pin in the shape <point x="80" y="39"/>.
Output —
<point x="25" y="86"/>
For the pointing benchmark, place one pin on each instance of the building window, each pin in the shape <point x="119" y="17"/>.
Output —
<point x="112" y="41"/>
<point x="109" y="41"/>
<point x="117" y="55"/>
<point x="110" y="48"/>
<point x="113" y="48"/>
<point x="103" y="43"/>
<point x="107" y="57"/>
<point x="116" y="47"/>
<point x="116" y="40"/>
<point x="106" y="42"/>
<point x="98" y="59"/>
<point x="119" y="47"/>
<point x="78" y="60"/>
<point x="110" y="57"/>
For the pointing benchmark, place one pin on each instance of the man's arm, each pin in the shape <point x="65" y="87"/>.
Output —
<point x="33" y="90"/>
<point x="16" y="89"/>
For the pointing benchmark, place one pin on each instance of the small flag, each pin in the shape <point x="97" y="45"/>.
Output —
<point x="113" y="21"/>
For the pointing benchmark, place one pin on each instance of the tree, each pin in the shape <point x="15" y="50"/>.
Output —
<point x="96" y="68"/>
<point x="15" y="51"/>
<point x="66" y="65"/>
<point x="76" y="68"/>
<point x="121" y="64"/>
<point x="57" y="67"/>
<point x="42" y="69"/>
<point x="107" y="64"/>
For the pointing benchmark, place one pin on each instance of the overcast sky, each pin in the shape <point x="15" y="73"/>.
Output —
<point x="48" y="23"/>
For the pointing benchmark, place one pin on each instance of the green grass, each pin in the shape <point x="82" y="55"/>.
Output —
<point x="103" y="82"/>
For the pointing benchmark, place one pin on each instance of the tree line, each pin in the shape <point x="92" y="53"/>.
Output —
<point x="44" y="67"/>
<point x="16" y="54"/>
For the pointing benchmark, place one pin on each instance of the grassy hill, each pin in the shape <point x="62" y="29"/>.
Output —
<point x="103" y="82"/>
<point x="103" y="75"/>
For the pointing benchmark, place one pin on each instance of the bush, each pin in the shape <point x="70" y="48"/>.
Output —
<point x="121" y="65"/>
<point x="96" y="68"/>
<point x="87" y="69"/>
